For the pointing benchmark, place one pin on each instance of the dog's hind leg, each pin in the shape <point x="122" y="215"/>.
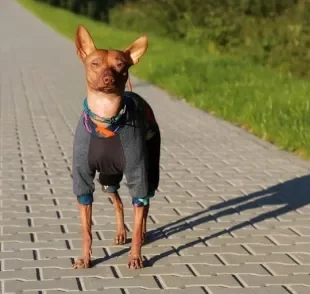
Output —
<point x="86" y="221"/>
<point x="121" y="234"/>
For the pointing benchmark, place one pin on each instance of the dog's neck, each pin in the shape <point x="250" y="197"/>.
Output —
<point x="104" y="105"/>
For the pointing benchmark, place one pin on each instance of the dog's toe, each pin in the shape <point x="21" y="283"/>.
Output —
<point x="135" y="263"/>
<point x="81" y="263"/>
<point x="120" y="238"/>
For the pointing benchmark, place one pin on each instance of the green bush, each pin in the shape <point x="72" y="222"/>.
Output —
<point x="274" y="33"/>
<point x="73" y="5"/>
<point x="270" y="32"/>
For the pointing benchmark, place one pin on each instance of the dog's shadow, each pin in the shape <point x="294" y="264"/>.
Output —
<point x="288" y="196"/>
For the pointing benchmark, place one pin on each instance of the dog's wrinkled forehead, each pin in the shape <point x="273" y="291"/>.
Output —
<point x="108" y="58"/>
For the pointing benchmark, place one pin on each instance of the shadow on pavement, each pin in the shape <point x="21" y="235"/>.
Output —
<point x="287" y="196"/>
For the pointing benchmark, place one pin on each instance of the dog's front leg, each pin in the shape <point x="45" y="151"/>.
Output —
<point x="144" y="227"/>
<point x="135" y="258"/>
<point x="121" y="234"/>
<point x="86" y="221"/>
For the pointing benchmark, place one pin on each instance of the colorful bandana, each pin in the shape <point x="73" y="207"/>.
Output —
<point x="96" y="130"/>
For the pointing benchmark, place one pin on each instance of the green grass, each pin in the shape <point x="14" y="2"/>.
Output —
<point x="271" y="106"/>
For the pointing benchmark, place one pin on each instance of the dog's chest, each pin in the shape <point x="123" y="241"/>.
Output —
<point x="116" y="154"/>
<point x="106" y="155"/>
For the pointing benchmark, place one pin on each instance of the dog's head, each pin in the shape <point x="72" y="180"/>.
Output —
<point x="107" y="70"/>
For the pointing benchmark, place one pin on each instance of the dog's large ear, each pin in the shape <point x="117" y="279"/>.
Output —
<point x="137" y="49"/>
<point x="83" y="42"/>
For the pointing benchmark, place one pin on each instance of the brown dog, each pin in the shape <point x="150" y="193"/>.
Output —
<point x="117" y="135"/>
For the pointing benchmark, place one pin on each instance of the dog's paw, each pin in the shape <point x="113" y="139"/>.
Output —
<point x="81" y="263"/>
<point x="135" y="262"/>
<point x="121" y="237"/>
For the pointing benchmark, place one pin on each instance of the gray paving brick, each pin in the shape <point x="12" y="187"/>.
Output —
<point x="16" y="238"/>
<point x="97" y="227"/>
<point x="177" y="269"/>
<point x="60" y="236"/>
<point x="281" y="269"/>
<point x="267" y="249"/>
<point x="198" y="259"/>
<point x="261" y="290"/>
<point x="16" y="255"/>
<point x="56" y="273"/>
<point x="235" y="249"/>
<point x="188" y="290"/>
<point x="60" y="253"/>
<point x="106" y="291"/>
<point x="206" y="270"/>
<point x="14" y="222"/>
<point x="22" y="215"/>
<point x="302" y="231"/>
<point x="301" y="258"/>
<point x="247" y="232"/>
<point x="286" y="240"/>
<point x="35" y="245"/>
<point x="188" y="234"/>
<point x="19" y="286"/>
<point x="31" y="292"/>
<point x="179" y="282"/>
<point x="174" y="242"/>
<point x="49" y="263"/>
<point x="259" y="281"/>
<point x="98" y="284"/>
<point x="300" y="289"/>
<point x="29" y="274"/>
<point x="283" y="224"/>
<point x="146" y="250"/>
<point x="46" y="229"/>
<point x="236" y="259"/>
<point x="231" y="240"/>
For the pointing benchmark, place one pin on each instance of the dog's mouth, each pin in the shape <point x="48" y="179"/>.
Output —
<point x="107" y="90"/>
<point x="110" y="89"/>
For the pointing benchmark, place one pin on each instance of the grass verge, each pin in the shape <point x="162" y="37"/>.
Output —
<point x="269" y="105"/>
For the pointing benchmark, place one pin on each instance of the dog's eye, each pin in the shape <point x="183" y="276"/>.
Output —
<point x="120" y="64"/>
<point x="95" y="63"/>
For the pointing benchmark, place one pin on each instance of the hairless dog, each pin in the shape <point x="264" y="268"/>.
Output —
<point x="117" y="135"/>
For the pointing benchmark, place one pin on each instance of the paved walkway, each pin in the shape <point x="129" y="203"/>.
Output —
<point x="232" y="215"/>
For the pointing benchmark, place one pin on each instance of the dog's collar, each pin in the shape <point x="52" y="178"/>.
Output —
<point x="98" y="118"/>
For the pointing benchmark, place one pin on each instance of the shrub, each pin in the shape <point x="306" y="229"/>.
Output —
<point x="274" y="33"/>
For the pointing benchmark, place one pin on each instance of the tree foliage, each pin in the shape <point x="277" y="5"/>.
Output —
<point x="270" y="32"/>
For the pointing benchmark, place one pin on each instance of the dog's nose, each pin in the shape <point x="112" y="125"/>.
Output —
<point x="108" y="80"/>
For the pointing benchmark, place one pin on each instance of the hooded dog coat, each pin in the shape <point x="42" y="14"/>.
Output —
<point x="130" y="147"/>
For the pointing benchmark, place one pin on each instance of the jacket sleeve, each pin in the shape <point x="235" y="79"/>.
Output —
<point x="153" y="145"/>
<point x="153" y="150"/>
<point x="83" y="176"/>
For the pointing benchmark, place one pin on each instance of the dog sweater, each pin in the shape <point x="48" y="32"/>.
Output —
<point x="129" y="147"/>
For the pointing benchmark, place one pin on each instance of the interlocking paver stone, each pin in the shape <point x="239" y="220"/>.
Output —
<point x="255" y="281"/>
<point x="236" y="259"/>
<point x="300" y="289"/>
<point x="232" y="213"/>
<point x="23" y="286"/>
<point x="189" y="290"/>
<point x="179" y="282"/>
<point x="133" y="282"/>
<point x="261" y="290"/>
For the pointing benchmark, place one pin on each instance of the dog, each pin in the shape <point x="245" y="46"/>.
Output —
<point x="117" y="135"/>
